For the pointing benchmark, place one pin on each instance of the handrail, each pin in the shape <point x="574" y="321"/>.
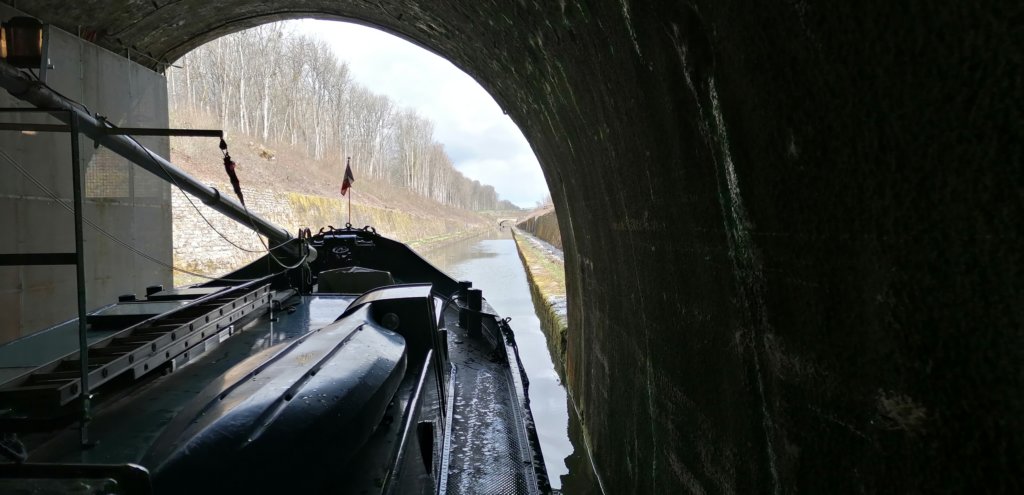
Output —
<point x="446" y="442"/>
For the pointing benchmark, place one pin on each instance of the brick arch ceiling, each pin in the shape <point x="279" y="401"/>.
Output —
<point x="164" y="31"/>
<point x="792" y="229"/>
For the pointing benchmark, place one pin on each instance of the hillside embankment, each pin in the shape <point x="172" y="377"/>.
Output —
<point x="287" y="187"/>
<point x="228" y="244"/>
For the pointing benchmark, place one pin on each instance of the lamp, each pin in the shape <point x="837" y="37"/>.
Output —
<point x="21" y="42"/>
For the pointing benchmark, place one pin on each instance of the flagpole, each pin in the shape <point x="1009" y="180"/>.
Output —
<point x="348" y="170"/>
<point x="346" y="186"/>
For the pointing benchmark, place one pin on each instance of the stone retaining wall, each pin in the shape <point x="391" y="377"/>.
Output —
<point x="546" y="277"/>
<point x="545" y="227"/>
<point x="199" y="248"/>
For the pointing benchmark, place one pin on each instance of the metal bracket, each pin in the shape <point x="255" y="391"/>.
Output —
<point x="144" y="131"/>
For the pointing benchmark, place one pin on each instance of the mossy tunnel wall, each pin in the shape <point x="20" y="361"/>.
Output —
<point x="792" y="229"/>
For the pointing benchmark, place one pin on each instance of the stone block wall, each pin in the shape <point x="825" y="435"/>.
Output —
<point x="199" y="248"/>
<point x="545" y="227"/>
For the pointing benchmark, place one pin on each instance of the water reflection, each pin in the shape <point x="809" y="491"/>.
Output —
<point x="580" y="479"/>
<point x="492" y="263"/>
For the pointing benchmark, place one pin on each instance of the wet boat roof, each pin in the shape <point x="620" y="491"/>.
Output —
<point x="125" y="428"/>
<point x="489" y="449"/>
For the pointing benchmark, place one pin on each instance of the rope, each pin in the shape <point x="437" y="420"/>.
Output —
<point x="110" y="236"/>
<point x="248" y="214"/>
<point x="175" y="182"/>
<point x="183" y="193"/>
<point x="229" y="167"/>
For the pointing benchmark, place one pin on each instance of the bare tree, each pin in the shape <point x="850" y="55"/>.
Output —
<point x="281" y="87"/>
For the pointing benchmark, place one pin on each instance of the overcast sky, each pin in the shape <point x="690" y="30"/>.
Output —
<point x="482" y="141"/>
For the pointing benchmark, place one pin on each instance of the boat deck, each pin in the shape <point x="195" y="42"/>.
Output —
<point x="123" y="428"/>
<point x="488" y="450"/>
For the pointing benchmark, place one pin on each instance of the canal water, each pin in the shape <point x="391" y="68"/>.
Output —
<point x="492" y="263"/>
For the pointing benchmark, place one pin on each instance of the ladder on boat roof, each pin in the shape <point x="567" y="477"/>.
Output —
<point x="80" y="120"/>
<point x="190" y="329"/>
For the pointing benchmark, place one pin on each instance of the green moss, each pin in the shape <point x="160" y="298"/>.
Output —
<point x="547" y="272"/>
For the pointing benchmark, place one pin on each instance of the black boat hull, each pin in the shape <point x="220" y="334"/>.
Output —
<point x="285" y="421"/>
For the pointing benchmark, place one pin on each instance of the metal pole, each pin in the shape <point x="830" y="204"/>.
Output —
<point x="39" y="95"/>
<point x="474" y="301"/>
<point x="83" y="342"/>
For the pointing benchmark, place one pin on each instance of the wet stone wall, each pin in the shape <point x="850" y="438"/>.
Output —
<point x="544" y="226"/>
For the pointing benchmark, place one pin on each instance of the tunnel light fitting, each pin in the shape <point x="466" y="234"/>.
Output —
<point x="21" y="42"/>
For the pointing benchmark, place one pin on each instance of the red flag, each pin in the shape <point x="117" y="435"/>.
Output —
<point x="229" y="167"/>
<point x="349" y="179"/>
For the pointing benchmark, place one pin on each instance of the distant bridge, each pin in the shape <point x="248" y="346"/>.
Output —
<point x="507" y="222"/>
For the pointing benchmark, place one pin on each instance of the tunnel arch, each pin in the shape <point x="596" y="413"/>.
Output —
<point x="166" y="34"/>
<point x="878" y="278"/>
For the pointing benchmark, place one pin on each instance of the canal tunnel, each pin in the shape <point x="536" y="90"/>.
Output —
<point x="792" y="230"/>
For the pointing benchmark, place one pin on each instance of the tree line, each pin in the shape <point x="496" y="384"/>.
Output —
<point x="283" y="87"/>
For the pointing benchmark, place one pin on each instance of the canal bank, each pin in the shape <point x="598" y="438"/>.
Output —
<point x="543" y="264"/>
<point x="546" y="276"/>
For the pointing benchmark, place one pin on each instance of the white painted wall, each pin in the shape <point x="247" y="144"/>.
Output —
<point x="124" y="199"/>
